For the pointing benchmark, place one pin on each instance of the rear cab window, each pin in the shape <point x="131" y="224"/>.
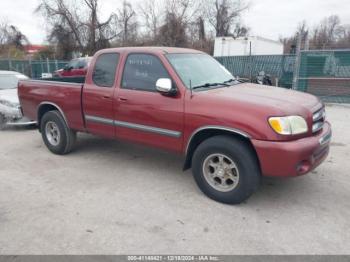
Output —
<point x="105" y="69"/>
<point x="141" y="72"/>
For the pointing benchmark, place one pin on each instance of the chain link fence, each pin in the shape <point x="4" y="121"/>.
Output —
<point x="280" y="68"/>
<point x="326" y="74"/>
<point x="323" y="73"/>
<point x="32" y="68"/>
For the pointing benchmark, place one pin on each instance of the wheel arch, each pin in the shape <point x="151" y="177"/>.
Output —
<point x="203" y="133"/>
<point x="45" y="107"/>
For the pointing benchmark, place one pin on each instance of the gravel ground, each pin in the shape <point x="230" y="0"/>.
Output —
<point x="109" y="197"/>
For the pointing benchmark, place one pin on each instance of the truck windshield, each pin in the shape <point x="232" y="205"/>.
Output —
<point x="201" y="70"/>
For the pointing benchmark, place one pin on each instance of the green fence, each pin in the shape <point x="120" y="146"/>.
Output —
<point x="326" y="74"/>
<point x="279" y="67"/>
<point x="34" y="68"/>
<point x="322" y="73"/>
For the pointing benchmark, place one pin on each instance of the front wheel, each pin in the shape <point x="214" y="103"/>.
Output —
<point x="57" y="136"/>
<point x="226" y="169"/>
<point x="2" y="121"/>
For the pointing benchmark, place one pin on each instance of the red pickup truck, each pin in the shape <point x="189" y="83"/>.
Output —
<point x="76" y="68"/>
<point x="184" y="101"/>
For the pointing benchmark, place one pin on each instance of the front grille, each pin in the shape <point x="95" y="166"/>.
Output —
<point x="318" y="119"/>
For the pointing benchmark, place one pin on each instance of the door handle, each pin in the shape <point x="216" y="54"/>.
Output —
<point x="106" y="97"/>
<point x="122" y="99"/>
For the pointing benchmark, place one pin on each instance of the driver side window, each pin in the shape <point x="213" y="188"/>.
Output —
<point x="142" y="72"/>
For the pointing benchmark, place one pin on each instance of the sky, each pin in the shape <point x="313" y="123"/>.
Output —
<point x="266" y="18"/>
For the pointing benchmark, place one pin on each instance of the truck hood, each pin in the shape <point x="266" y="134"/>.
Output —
<point x="9" y="95"/>
<point x="277" y="99"/>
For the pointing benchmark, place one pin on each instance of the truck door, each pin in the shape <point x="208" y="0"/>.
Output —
<point x="98" y="95"/>
<point x="141" y="113"/>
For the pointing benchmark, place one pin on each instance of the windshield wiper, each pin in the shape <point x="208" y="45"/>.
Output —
<point x="210" y="85"/>
<point x="207" y="85"/>
<point x="229" y="81"/>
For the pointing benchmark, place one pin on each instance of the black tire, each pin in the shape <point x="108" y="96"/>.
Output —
<point x="67" y="137"/>
<point x="243" y="157"/>
<point x="2" y="121"/>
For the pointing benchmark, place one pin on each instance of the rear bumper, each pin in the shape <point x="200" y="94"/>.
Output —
<point x="295" y="158"/>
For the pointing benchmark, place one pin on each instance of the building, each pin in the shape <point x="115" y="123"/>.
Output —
<point x="31" y="50"/>
<point x="244" y="46"/>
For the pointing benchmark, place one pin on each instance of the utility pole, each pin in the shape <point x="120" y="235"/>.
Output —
<point x="307" y="41"/>
<point x="297" y="62"/>
<point x="250" y="62"/>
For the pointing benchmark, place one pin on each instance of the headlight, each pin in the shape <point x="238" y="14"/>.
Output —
<point x="9" y="104"/>
<point x="291" y="125"/>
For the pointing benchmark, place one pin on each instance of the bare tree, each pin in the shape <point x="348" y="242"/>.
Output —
<point x="17" y="38"/>
<point x="75" y="25"/>
<point x="201" y="29"/>
<point x="127" y="22"/>
<point x="11" y="35"/>
<point x="344" y="37"/>
<point x="198" y="37"/>
<point x="327" y="33"/>
<point x="12" y="40"/>
<point x="59" y="12"/>
<point x="178" y="14"/>
<point x="99" y="33"/>
<point x="64" y="41"/>
<point x="4" y="38"/>
<point x="290" y="43"/>
<point x="222" y="15"/>
<point x="240" y="31"/>
<point x="3" y="33"/>
<point x="151" y="15"/>
<point x="83" y="24"/>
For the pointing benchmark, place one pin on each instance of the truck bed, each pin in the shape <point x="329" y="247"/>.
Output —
<point x="66" y="96"/>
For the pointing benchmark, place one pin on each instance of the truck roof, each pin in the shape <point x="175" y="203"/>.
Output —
<point x="153" y="49"/>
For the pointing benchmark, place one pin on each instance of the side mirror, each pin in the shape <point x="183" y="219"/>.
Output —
<point x="165" y="87"/>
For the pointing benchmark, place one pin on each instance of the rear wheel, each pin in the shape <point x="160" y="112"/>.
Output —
<point x="226" y="169"/>
<point x="57" y="136"/>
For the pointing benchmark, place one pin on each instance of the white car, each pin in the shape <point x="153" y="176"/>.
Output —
<point x="10" y="110"/>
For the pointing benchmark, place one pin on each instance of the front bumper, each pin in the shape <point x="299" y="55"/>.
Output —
<point x="14" y="117"/>
<point x="295" y="158"/>
<point x="21" y="122"/>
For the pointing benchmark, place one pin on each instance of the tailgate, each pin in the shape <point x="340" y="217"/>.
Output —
<point x="36" y="96"/>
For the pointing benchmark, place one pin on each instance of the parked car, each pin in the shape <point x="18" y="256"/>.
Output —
<point x="75" y="68"/>
<point x="10" y="113"/>
<point x="182" y="100"/>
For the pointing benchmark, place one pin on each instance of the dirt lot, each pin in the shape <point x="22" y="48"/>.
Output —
<point x="114" y="198"/>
